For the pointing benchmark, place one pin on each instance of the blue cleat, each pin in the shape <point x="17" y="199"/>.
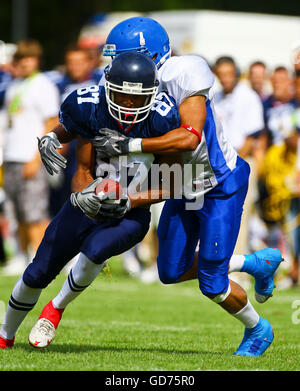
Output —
<point x="256" y="340"/>
<point x="262" y="265"/>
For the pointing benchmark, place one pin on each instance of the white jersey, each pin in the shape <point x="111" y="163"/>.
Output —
<point x="214" y="158"/>
<point x="185" y="76"/>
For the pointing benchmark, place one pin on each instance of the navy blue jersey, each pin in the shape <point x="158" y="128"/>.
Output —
<point x="85" y="111"/>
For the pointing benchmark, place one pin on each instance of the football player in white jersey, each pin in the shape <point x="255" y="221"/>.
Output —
<point x="224" y="182"/>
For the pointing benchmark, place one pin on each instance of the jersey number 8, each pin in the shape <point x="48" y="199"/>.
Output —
<point x="90" y="99"/>
<point x="160" y="105"/>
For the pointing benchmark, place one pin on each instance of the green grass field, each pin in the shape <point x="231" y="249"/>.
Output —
<point x="120" y="324"/>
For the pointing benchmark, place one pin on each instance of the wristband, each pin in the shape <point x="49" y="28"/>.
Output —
<point x="192" y="130"/>
<point x="135" y="145"/>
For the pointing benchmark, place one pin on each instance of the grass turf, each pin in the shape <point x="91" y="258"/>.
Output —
<point x="120" y="324"/>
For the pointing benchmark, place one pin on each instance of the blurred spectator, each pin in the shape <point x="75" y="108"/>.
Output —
<point x="31" y="108"/>
<point x="238" y="107"/>
<point x="6" y="76"/>
<point x="259" y="79"/>
<point x="81" y="70"/>
<point x="296" y="60"/>
<point x="6" y="68"/>
<point x="95" y="54"/>
<point x="279" y="197"/>
<point x="279" y="189"/>
<point x="241" y="113"/>
<point x="5" y="79"/>
<point x="280" y="105"/>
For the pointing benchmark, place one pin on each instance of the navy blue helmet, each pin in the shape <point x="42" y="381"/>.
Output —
<point x="131" y="73"/>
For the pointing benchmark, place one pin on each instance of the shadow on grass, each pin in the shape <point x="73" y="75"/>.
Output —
<point x="72" y="348"/>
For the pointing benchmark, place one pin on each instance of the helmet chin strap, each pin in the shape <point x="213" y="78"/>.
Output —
<point x="163" y="59"/>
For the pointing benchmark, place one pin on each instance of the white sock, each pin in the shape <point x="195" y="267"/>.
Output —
<point x="80" y="277"/>
<point x="236" y="263"/>
<point x="248" y="316"/>
<point x="22" y="300"/>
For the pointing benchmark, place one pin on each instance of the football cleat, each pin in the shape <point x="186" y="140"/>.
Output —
<point x="256" y="340"/>
<point x="6" y="343"/>
<point x="262" y="265"/>
<point x="44" y="330"/>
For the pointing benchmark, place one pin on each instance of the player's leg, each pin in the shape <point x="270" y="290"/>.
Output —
<point x="178" y="235"/>
<point x="219" y="227"/>
<point x="262" y="265"/>
<point x="60" y="244"/>
<point x="23" y="298"/>
<point x="102" y="242"/>
<point x="80" y="277"/>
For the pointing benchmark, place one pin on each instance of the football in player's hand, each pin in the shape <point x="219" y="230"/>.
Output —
<point x="109" y="188"/>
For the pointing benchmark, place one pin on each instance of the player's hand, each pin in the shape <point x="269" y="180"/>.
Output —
<point x="52" y="160"/>
<point x="86" y="200"/>
<point x="111" y="143"/>
<point x="115" y="209"/>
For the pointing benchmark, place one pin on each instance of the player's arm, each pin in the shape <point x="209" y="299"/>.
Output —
<point x="85" y="159"/>
<point x="192" y="113"/>
<point x="84" y="184"/>
<point x="60" y="133"/>
<point x="165" y="189"/>
<point x="48" y="145"/>
<point x="31" y="168"/>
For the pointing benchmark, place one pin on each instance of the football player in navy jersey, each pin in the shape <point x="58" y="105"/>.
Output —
<point x="128" y="104"/>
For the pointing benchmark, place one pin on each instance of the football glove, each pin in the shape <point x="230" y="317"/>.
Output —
<point x="114" y="209"/>
<point x="52" y="160"/>
<point x="111" y="143"/>
<point x="86" y="200"/>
